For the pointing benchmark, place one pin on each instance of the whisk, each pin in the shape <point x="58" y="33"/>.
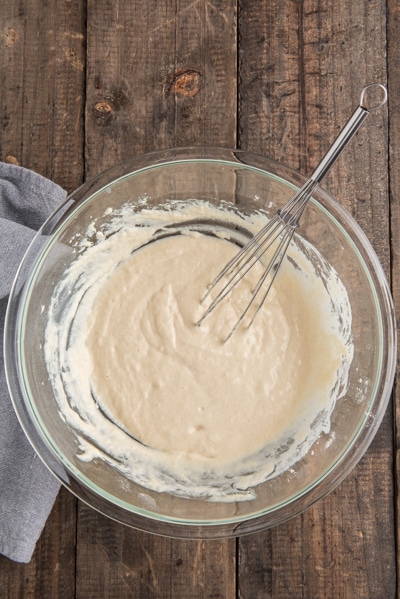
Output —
<point x="277" y="234"/>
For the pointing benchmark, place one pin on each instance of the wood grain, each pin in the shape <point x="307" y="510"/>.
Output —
<point x="302" y="70"/>
<point x="117" y="562"/>
<point x="88" y="83"/>
<point x="343" y="547"/>
<point x="393" y="49"/>
<point x="51" y="571"/>
<point x="159" y="74"/>
<point x="42" y="88"/>
<point x="42" y="73"/>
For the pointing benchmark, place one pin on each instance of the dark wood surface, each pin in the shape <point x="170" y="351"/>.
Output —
<point x="87" y="83"/>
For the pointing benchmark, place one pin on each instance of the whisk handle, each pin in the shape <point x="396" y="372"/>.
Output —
<point x="352" y="125"/>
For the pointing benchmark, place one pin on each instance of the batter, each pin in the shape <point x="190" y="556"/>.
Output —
<point x="175" y="406"/>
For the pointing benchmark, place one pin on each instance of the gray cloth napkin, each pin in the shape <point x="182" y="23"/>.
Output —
<point x="27" y="488"/>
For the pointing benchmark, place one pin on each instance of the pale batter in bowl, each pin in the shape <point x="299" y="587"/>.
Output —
<point x="197" y="438"/>
<point x="171" y="404"/>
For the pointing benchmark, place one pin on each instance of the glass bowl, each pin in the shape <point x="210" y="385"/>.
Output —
<point x="248" y="183"/>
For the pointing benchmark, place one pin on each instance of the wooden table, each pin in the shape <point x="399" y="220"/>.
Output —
<point x="85" y="84"/>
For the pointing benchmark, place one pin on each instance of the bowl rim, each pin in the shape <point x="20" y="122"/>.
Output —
<point x="146" y="519"/>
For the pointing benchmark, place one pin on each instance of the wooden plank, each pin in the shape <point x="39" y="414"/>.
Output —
<point x="41" y="105"/>
<point x="121" y="562"/>
<point x="159" y="74"/>
<point x="51" y="571"/>
<point x="342" y="547"/>
<point x="42" y="82"/>
<point x="302" y="68"/>
<point x="270" y="90"/>
<point x="393" y="29"/>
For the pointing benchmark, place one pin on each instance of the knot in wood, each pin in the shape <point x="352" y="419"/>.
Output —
<point x="102" y="108"/>
<point x="10" y="36"/>
<point x="102" y="111"/>
<point x="11" y="160"/>
<point x="186" y="84"/>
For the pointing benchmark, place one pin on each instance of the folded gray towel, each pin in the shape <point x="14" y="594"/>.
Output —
<point x="27" y="488"/>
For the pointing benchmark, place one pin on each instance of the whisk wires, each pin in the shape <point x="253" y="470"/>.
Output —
<point x="276" y="236"/>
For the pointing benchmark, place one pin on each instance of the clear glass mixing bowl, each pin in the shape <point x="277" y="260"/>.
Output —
<point x="250" y="183"/>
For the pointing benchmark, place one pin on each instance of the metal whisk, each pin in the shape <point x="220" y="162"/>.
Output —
<point x="280" y="229"/>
